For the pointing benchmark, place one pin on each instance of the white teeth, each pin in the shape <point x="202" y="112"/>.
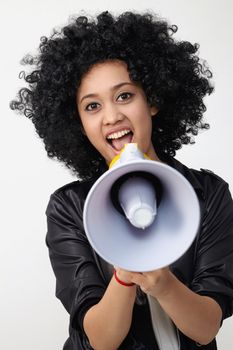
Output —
<point x="117" y="135"/>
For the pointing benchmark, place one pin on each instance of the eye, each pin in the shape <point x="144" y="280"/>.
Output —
<point x="125" y="96"/>
<point x="91" y="106"/>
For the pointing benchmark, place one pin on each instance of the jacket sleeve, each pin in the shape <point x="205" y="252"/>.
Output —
<point x="78" y="282"/>
<point x="213" y="274"/>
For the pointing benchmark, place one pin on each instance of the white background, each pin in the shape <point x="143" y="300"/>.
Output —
<point x="30" y="315"/>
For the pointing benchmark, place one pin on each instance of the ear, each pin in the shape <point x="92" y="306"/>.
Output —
<point x="153" y="110"/>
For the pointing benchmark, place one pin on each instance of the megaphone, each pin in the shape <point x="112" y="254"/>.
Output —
<point x="141" y="214"/>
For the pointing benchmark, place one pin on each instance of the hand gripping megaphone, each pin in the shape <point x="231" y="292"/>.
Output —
<point x="141" y="215"/>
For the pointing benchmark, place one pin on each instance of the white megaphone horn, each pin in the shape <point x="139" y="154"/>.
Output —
<point x="141" y="215"/>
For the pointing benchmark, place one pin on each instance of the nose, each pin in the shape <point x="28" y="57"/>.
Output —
<point x="112" y="114"/>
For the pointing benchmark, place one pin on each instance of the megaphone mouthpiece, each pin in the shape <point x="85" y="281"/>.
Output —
<point x="138" y="201"/>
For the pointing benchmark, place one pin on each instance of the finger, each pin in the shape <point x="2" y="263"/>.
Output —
<point x="138" y="278"/>
<point x="144" y="289"/>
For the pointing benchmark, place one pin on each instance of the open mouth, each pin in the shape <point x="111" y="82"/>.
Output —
<point x="119" y="139"/>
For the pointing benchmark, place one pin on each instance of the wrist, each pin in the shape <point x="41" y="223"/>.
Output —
<point x="167" y="285"/>
<point x="120" y="281"/>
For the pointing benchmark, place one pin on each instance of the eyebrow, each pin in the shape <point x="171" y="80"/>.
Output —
<point x="115" y="87"/>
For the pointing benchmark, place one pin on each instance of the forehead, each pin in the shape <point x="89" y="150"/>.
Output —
<point x="105" y="74"/>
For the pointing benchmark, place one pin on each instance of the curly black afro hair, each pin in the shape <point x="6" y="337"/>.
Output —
<point x="171" y="74"/>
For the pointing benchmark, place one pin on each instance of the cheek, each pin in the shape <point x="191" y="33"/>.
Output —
<point x="88" y="127"/>
<point x="90" y="135"/>
<point x="141" y="111"/>
<point x="93" y="134"/>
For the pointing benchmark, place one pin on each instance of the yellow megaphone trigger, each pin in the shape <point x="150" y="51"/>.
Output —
<point x="117" y="157"/>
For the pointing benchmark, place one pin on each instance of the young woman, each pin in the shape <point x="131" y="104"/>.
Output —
<point x="97" y="85"/>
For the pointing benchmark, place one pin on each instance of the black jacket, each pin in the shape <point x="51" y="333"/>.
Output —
<point x="82" y="276"/>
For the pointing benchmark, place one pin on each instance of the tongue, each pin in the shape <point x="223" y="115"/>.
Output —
<point x="118" y="144"/>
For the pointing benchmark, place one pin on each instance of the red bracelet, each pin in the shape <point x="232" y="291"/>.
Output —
<point x="121" y="282"/>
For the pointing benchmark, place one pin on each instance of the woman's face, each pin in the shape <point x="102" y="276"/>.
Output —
<point x="114" y="110"/>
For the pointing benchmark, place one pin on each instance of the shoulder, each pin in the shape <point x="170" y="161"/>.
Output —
<point x="213" y="188"/>
<point x="202" y="180"/>
<point x="76" y="188"/>
<point x="208" y="174"/>
<point x="208" y="179"/>
<point x="69" y="198"/>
